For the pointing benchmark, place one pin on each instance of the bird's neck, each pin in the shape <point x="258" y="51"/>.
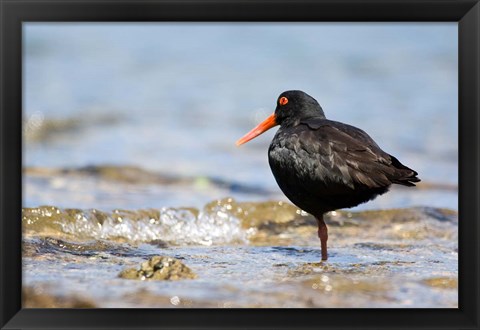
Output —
<point x="292" y="122"/>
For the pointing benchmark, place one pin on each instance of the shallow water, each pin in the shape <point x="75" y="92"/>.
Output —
<point x="245" y="255"/>
<point x="129" y="152"/>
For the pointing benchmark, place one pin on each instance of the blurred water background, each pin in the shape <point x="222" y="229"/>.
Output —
<point x="174" y="98"/>
<point x="129" y="152"/>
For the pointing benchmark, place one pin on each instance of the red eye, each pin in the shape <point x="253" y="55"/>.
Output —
<point x="283" y="100"/>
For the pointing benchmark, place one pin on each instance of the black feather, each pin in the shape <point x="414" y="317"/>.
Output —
<point x="323" y="165"/>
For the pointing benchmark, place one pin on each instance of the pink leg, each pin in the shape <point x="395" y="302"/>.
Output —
<point x="323" y="235"/>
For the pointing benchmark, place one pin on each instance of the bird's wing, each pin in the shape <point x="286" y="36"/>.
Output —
<point x="353" y="132"/>
<point x="352" y="156"/>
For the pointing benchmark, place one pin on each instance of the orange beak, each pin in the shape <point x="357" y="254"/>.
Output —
<point x="262" y="127"/>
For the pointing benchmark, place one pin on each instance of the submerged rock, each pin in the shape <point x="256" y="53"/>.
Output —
<point x="159" y="268"/>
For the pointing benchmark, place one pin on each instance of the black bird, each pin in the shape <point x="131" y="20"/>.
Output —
<point x="323" y="165"/>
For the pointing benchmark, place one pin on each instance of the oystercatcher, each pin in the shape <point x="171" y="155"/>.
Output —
<point x="323" y="165"/>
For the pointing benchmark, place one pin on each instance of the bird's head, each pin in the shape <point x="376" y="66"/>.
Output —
<point x="292" y="106"/>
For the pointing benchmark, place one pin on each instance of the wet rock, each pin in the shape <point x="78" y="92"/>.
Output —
<point x="37" y="298"/>
<point x="35" y="247"/>
<point x="377" y="217"/>
<point x="226" y="221"/>
<point x="312" y="268"/>
<point x="30" y="248"/>
<point x="130" y="273"/>
<point x="158" y="243"/>
<point x="384" y="246"/>
<point x="441" y="282"/>
<point x="268" y="214"/>
<point x="159" y="268"/>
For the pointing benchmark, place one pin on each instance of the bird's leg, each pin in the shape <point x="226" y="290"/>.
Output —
<point x="323" y="235"/>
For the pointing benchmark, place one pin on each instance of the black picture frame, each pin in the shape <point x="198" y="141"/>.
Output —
<point x="14" y="12"/>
